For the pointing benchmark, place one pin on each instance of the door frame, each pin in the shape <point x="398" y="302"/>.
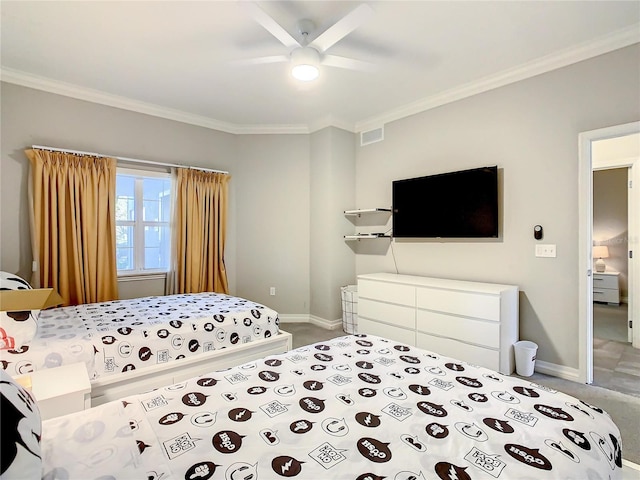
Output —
<point x="585" y="243"/>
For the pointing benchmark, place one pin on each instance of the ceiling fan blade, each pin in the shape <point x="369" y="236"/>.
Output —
<point x="349" y="63"/>
<point x="261" y="60"/>
<point x="271" y="26"/>
<point x="343" y="27"/>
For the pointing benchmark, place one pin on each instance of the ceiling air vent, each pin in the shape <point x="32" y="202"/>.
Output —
<point x="371" y="136"/>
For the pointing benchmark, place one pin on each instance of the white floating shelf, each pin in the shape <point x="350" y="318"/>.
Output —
<point x="365" y="235"/>
<point x="366" y="210"/>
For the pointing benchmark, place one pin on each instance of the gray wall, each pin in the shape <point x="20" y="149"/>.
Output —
<point x="530" y="130"/>
<point x="278" y="214"/>
<point x="268" y="241"/>
<point x="332" y="179"/>
<point x="32" y="117"/>
<point x="272" y="184"/>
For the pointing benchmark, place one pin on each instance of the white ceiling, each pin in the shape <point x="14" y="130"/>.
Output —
<point x="175" y="58"/>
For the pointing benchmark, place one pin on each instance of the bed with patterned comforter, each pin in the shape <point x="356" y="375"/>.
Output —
<point x="125" y="335"/>
<point x="356" y="407"/>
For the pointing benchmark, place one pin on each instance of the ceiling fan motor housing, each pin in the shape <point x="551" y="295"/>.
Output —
<point x="305" y="56"/>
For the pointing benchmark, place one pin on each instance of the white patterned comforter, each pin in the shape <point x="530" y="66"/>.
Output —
<point x="356" y="407"/>
<point x="124" y="335"/>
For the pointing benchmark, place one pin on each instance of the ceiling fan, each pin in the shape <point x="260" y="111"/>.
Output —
<point x="306" y="56"/>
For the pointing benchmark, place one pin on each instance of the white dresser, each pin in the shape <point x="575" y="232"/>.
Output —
<point x="606" y="287"/>
<point x="472" y="321"/>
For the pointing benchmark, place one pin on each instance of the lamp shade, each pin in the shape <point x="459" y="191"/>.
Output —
<point x="600" y="251"/>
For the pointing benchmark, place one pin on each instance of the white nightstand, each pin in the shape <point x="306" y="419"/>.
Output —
<point x="606" y="287"/>
<point x="61" y="390"/>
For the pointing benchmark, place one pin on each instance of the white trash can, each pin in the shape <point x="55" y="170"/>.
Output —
<point x="349" y="308"/>
<point x="525" y="357"/>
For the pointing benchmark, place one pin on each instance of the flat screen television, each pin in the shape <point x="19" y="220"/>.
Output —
<point x="462" y="204"/>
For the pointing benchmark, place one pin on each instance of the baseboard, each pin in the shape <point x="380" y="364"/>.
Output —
<point x="294" y="318"/>
<point x="630" y="470"/>
<point x="326" y="324"/>
<point x="631" y="465"/>
<point x="560" y="371"/>
<point x="302" y="318"/>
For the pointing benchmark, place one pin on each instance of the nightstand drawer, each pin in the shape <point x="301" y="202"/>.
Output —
<point x="606" y="295"/>
<point x="605" y="281"/>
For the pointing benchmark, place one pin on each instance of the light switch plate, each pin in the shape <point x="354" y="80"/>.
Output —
<point x="548" y="251"/>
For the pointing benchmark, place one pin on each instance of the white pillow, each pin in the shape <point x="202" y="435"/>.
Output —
<point x="16" y="328"/>
<point x="10" y="281"/>
<point x="21" y="427"/>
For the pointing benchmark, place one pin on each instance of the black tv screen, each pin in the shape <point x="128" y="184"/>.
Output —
<point x="461" y="204"/>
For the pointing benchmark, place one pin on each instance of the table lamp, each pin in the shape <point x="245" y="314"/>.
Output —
<point x="600" y="252"/>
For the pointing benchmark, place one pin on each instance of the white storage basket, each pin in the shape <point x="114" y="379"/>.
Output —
<point x="349" y="308"/>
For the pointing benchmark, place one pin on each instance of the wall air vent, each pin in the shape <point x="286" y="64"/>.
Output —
<point x="371" y="136"/>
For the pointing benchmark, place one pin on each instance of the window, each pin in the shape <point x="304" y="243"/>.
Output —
<point x="143" y="209"/>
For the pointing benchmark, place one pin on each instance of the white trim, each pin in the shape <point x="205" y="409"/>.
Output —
<point x="585" y="241"/>
<point x="137" y="172"/>
<point x="306" y="318"/>
<point x="137" y="277"/>
<point x="95" y="96"/>
<point x="630" y="465"/>
<point x="608" y="43"/>
<point x="294" y="318"/>
<point x="560" y="371"/>
<point x="326" y="324"/>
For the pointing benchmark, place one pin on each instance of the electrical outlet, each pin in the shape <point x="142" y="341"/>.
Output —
<point x="548" y="251"/>
<point x="272" y="291"/>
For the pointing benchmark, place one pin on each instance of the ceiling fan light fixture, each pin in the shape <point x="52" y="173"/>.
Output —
<point x="305" y="73"/>
<point x="305" y="63"/>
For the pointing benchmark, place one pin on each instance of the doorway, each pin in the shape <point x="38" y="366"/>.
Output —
<point x="588" y="145"/>
<point x="616" y="365"/>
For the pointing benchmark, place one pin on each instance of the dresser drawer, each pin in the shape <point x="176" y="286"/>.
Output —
<point x="401" y="335"/>
<point x="464" y="329"/>
<point x="397" y="315"/>
<point x="605" y="281"/>
<point x="462" y="351"/>
<point x="387" y="292"/>
<point x="477" y="305"/>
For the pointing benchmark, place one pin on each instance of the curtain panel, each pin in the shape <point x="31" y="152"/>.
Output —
<point x="200" y="220"/>
<point x="72" y="200"/>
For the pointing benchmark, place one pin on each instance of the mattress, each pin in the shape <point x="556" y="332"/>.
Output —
<point x="124" y="335"/>
<point x="356" y="407"/>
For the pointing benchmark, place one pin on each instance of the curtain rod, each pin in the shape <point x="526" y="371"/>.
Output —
<point x="126" y="159"/>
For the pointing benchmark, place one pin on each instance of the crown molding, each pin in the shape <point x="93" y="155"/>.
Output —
<point x="608" y="43"/>
<point x="95" y="96"/>
<point x="330" y="121"/>
<point x="271" y="129"/>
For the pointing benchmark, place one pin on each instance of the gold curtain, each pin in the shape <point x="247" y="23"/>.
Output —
<point x="73" y="224"/>
<point x="200" y="222"/>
